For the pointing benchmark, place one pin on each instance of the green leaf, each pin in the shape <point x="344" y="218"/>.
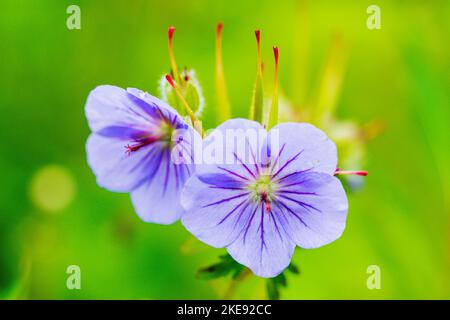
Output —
<point x="223" y="268"/>
<point x="274" y="285"/>
<point x="293" y="268"/>
<point x="272" y="289"/>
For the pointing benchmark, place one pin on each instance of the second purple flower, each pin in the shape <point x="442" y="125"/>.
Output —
<point x="140" y="145"/>
<point x="269" y="199"/>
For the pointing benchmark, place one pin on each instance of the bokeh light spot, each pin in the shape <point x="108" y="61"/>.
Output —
<point x="52" y="188"/>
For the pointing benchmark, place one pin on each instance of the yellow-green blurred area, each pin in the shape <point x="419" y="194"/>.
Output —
<point x="53" y="214"/>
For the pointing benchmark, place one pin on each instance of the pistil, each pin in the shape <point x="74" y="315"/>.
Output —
<point x="171" y="55"/>
<point x="345" y="172"/>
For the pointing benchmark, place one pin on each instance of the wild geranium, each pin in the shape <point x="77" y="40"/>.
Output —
<point x="260" y="210"/>
<point x="277" y="192"/>
<point x="145" y="146"/>
<point x="131" y="149"/>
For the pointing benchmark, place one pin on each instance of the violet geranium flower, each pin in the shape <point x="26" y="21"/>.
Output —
<point x="270" y="199"/>
<point x="131" y="148"/>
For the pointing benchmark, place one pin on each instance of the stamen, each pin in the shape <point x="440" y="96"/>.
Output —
<point x="273" y="115"/>
<point x="358" y="173"/>
<point x="140" y="143"/>
<point x="191" y="114"/>
<point x="222" y="97"/>
<point x="258" y="43"/>
<point x="257" y="106"/>
<point x="171" y="55"/>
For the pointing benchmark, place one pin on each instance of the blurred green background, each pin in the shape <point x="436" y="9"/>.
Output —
<point x="53" y="214"/>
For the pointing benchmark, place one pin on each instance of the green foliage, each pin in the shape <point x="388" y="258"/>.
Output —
<point x="274" y="285"/>
<point x="226" y="266"/>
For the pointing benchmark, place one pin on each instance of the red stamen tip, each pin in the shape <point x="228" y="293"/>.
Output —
<point x="170" y="80"/>
<point x="258" y="36"/>
<point x="219" y="28"/>
<point x="275" y="54"/>
<point x="170" y="33"/>
<point x="358" y="173"/>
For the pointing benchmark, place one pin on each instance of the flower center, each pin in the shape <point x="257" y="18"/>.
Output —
<point x="262" y="191"/>
<point x="162" y="134"/>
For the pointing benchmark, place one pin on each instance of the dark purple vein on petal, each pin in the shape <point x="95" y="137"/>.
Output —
<point x="233" y="173"/>
<point x="244" y="165"/>
<point x="186" y="166"/>
<point x="292" y="212"/>
<point x="241" y="213"/>
<point x="232" y="211"/>
<point x="162" y="115"/>
<point x="277" y="158"/>
<point x="298" y="192"/>
<point x="253" y="155"/>
<point x="166" y="178"/>
<point x="249" y="223"/>
<point x="284" y="221"/>
<point x="226" y="188"/>
<point x="177" y="177"/>
<point x="287" y="163"/>
<point x="139" y="163"/>
<point x="227" y="199"/>
<point x="263" y="242"/>
<point x="276" y="225"/>
<point x="291" y="174"/>
<point x="304" y="205"/>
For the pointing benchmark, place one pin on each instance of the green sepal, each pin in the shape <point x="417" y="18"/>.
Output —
<point x="189" y="88"/>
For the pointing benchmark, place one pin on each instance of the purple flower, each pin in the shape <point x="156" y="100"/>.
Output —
<point x="134" y="139"/>
<point x="278" y="193"/>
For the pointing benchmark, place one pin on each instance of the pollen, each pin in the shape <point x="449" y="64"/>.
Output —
<point x="263" y="191"/>
<point x="163" y="135"/>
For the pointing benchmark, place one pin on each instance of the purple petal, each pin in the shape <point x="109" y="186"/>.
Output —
<point x="314" y="211"/>
<point x="109" y="106"/>
<point x="221" y="181"/>
<point x="116" y="170"/>
<point x="216" y="217"/>
<point x="301" y="146"/>
<point x="264" y="246"/>
<point x="155" y="107"/>
<point x="233" y="147"/>
<point x="115" y="112"/>
<point x="158" y="198"/>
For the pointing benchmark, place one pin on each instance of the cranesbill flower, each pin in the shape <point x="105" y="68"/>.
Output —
<point x="140" y="145"/>
<point x="279" y="192"/>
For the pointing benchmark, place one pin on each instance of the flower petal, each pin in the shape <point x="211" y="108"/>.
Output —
<point x="114" y="169"/>
<point x="114" y="112"/>
<point x="155" y="107"/>
<point x="233" y="148"/>
<point x="158" y="198"/>
<point x="110" y="106"/>
<point x="301" y="146"/>
<point x="312" y="209"/>
<point x="263" y="246"/>
<point x="215" y="212"/>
